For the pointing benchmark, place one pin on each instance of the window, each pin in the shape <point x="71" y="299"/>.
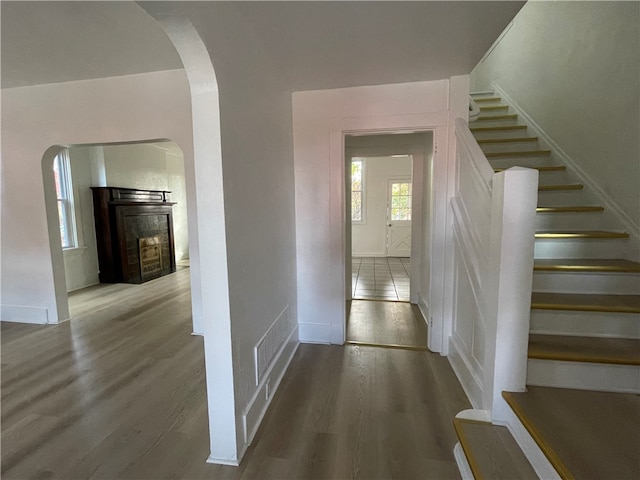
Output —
<point x="400" y="201"/>
<point x="64" y="196"/>
<point x="357" y="191"/>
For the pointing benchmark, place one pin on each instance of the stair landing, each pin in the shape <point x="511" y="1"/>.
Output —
<point x="584" y="434"/>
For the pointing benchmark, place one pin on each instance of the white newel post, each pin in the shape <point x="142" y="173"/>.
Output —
<point x="513" y="210"/>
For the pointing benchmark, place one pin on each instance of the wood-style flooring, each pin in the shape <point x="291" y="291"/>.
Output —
<point x="118" y="392"/>
<point x="386" y="323"/>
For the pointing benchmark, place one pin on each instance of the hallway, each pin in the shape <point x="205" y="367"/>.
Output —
<point x="119" y="392"/>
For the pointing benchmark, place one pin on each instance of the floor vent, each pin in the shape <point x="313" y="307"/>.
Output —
<point x="270" y="344"/>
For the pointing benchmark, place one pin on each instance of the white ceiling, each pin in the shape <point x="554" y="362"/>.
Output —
<point x="316" y="45"/>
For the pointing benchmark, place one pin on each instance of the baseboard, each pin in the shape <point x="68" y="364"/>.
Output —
<point x="197" y="334"/>
<point x="258" y="405"/>
<point x="314" y="333"/>
<point x="223" y="461"/>
<point x="380" y="254"/>
<point x="24" y="314"/>
<point x="610" y="205"/>
<point x="468" y="380"/>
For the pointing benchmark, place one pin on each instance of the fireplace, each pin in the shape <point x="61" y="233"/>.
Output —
<point x="134" y="231"/>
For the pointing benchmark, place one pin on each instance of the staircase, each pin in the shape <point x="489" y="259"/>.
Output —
<point x="584" y="339"/>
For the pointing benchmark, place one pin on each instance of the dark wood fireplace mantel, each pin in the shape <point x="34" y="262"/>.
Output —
<point x="134" y="232"/>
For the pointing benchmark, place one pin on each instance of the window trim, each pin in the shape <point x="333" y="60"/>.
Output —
<point x="65" y="197"/>
<point x="363" y="203"/>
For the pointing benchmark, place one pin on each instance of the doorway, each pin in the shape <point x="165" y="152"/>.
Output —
<point x="387" y="176"/>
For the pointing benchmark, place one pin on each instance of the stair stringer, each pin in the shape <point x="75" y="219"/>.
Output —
<point x="611" y="206"/>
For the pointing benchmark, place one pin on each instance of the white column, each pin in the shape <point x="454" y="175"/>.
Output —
<point x="514" y="200"/>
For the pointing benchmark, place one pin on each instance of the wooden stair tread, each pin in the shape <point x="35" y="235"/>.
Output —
<point x="560" y="186"/>
<point x="584" y="434"/>
<point x="492" y="452"/>
<point x="619" y="351"/>
<point x="498" y="128"/>
<point x="518" y="153"/>
<point x="506" y="116"/>
<point x="541" y="168"/>
<point x="571" y="209"/>
<point x="586" y="265"/>
<point x="591" y="234"/>
<point x="585" y="302"/>
<point x="485" y="108"/>
<point x="507" y="140"/>
<point x="487" y="99"/>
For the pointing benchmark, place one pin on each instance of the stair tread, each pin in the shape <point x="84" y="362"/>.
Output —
<point x="560" y="186"/>
<point x="487" y="99"/>
<point x="580" y="234"/>
<point x="498" y="128"/>
<point x="585" y="302"/>
<point x="586" y="265"/>
<point x="484" y="108"/>
<point x="507" y="116"/>
<point x="491" y="451"/>
<point x="542" y="168"/>
<point x="571" y="208"/>
<point x="584" y="434"/>
<point x="518" y="153"/>
<point x="620" y="351"/>
<point x="507" y="140"/>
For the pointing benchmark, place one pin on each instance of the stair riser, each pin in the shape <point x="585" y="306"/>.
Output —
<point x="585" y="324"/>
<point x="584" y="376"/>
<point x="569" y="221"/>
<point x="529" y="162"/>
<point x="565" y="197"/>
<point x="571" y="248"/>
<point x="495" y="122"/>
<point x="594" y="283"/>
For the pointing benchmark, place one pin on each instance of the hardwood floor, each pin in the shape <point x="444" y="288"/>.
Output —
<point x="386" y="323"/>
<point x="118" y="392"/>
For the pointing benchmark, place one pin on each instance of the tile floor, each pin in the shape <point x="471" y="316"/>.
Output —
<point x="380" y="278"/>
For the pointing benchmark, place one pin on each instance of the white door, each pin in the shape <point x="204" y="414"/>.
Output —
<point x="399" y="218"/>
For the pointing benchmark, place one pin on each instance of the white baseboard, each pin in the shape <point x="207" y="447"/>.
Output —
<point x="369" y="254"/>
<point x="611" y="205"/>
<point x="314" y="333"/>
<point x="24" y="314"/>
<point x="223" y="461"/>
<point x="258" y="405"/>
<point x="470" y="383"/>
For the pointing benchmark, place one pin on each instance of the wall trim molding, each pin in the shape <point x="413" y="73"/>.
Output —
<point x="470" y="383"/>
<point x="259" y="403"/>
<point x="609" y="203"/>
<point x="25" y="314"/>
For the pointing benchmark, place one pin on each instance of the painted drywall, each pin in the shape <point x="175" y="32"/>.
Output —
<point x="574" y="68"/>
<point x="370" y="238"/>
<point x="321" y="119"/>
<point x="131" y="108"/>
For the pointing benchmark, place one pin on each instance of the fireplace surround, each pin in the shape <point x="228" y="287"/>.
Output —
<point x="134" y="233"/>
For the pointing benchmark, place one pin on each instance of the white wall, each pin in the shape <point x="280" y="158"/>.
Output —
<point x="574" y="68"/>
<point x="321" y="119"/>
<point x="131" y="108"/>
<point x="370" y="238"/>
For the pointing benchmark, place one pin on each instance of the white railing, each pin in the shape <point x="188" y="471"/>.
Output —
<point x="494" y="231"/>
<point x="474" y="110"/>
